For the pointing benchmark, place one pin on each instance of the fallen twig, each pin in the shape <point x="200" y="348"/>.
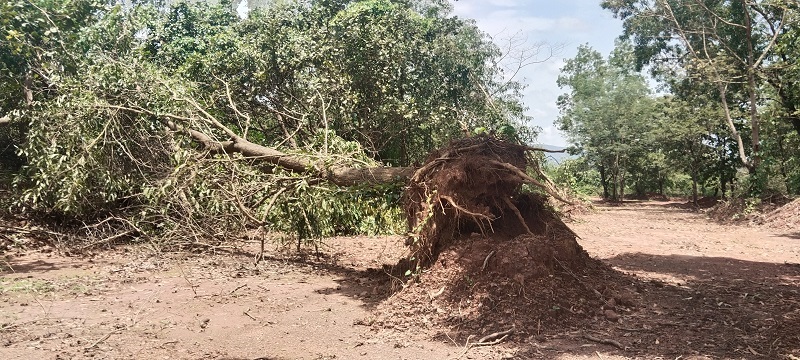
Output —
<point x="105" y="240"/>
<point x="631" y="329"/>
<point x="32" y="231"/>
<point x="486" y="261"/>
<point x="489" y="343"/>
<point x="436" y="294"/>
<point x="104" y="338"/>
<point x="488" y="340"/>
<point x="604" y="341"/>
<point x="191" y="285"/>
<point x="496" y="335"/>
<point x="237" y="288"/>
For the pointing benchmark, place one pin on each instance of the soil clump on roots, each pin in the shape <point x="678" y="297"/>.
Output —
<point x="490" y="254"/>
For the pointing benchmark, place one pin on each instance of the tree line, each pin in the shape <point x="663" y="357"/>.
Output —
<point x="725" y="114"/>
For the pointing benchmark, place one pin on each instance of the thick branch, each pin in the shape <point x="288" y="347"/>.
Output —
<point x="339" y="175"/>
<point x="729" y="120"/>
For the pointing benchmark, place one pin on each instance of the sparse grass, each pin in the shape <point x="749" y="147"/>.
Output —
<point x="35" y="286"/>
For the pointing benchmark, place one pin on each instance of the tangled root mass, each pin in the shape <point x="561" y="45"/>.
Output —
<point x="479" y="185"/>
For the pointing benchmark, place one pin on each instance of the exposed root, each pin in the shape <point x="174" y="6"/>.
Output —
<point x="454" y="204"/>
<point x="488" y="340"/>
<point x="469" y="187"/>
<point x="486" y="261"/>
<point x="519" y="215"/>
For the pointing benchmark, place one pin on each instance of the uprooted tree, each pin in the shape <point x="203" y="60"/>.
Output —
<point x="190" y="123"/>
<point x="189" y="127"/>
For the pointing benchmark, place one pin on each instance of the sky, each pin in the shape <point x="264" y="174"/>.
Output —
<point x="559" y="24"/>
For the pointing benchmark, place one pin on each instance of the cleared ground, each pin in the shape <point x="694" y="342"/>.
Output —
<point x="703" y="290"/>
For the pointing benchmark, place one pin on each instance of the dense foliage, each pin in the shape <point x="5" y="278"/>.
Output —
<point x="102" y="105"/>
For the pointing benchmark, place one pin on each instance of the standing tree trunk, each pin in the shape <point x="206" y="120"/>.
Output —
<point x="28" y="89"/>
<point x="604" y="181"/>
<point x="751" y="90"/>
<point x="694" y="185"/>
<point x="622" y="183"/>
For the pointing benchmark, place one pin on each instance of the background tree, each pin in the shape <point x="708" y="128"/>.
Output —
<point x="606" y="114"/>
<point x="725" y="43"/>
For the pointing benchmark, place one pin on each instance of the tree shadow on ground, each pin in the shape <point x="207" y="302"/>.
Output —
<point x="656" y="209"/>
<point x="31" y="266"/>
<point x="697" y="307"/>
<point x="621" y="203"/>
<point x="712" y="306"/>
<point x="369" y="285"/>
<point x="27" y="267"/>
<point x="793" y="235"/>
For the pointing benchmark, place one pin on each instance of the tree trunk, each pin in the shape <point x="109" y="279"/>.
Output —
<point x="751" y="90"/>
<point x="615" y="178"/>
<point x="622" y="185"/>
<point x="339" y="175"/>
<point x="27" y="88"/>
<point x="723" y="185"/>
<point x="796" y="123"/>
<point x="732" y="127"/>
<point x="614" y="184"/>
<point x="604" y="181"/>
<point x="694" y="186"/>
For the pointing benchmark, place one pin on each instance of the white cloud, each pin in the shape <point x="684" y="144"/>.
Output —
<point x="551" y="136"/>
<point x="568" y="23"/>
<point x="505" y="3"/>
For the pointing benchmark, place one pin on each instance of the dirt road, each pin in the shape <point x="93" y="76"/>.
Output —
<point x="704" y="291"/>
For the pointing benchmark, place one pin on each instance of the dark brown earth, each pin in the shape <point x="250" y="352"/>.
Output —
<point x="686" y="287"/>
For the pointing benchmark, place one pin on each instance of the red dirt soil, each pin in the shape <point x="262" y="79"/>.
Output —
<point x="686" y="288"/>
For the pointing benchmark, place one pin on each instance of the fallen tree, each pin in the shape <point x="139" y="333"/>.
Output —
<point x="162" y="154"/>
<point x="474" y="185"/>
<point x="339" y="175"/>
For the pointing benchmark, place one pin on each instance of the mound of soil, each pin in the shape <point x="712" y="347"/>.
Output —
<point x="784" y="217"/>
<point x="774" y="214"/>
<point x="482" y="285"/>
<point x="706" y="202"/>
<point x="491" y="255"/>
<point x="733" y="211"/>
